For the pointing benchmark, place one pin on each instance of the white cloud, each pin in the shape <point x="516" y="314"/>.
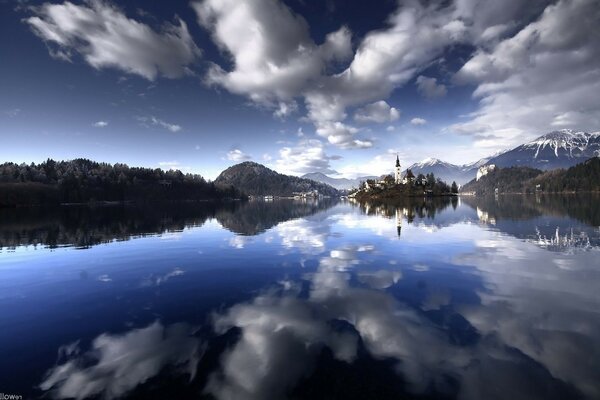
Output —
<point x="12" y="112"/>
<point x="105" y="37"/>
<point x="237" y="155"/>
<point x="378" y="165"/>
<point x="273" y="55"/>
<point x="543" y="77"/>
<point x="170" y="164"/>
<point x="429" y="87"/>
<point x="390" y="128"/>
<point x="378" y="112"/>
<point x="100" y="124"/>
<point x="152" y="120"/>
<point x="307" y="156"/>
<point x="341" y="135"/>
<point x="418" y="121"/>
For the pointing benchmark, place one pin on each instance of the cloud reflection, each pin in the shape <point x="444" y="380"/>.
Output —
<point x="116" y="364"/>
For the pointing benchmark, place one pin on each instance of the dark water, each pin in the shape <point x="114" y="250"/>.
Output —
<point x="471" y="298"/>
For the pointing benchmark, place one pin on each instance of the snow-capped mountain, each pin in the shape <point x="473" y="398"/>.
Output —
<point x="338" y="183"/>
<point x="446" y="171"/>
<point x="557" y="149"/>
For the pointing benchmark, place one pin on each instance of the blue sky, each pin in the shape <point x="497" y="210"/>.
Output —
<point x="301" y="86"/>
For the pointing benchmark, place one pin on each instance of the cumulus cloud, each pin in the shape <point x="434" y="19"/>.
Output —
<point x="306" y="156"/>
<point x="105" y="37"/>
<point x="429" y="87"/>
<point x="100" y="124"/>
<point x="237" y="155"/>
<point x="274" y="58"/>
<point x="418" y="121"/>
<point x="273" y="55"/>
<point x="540" y="78"/>
<point x="378" y="112"/>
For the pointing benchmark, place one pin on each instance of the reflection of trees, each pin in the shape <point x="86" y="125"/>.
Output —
<point x="84" y="226"/>
<point x="412" y="208"/>
<point x="254" y="217"/>
<point x="582" y="207"/>
<point x="547" y="220"/>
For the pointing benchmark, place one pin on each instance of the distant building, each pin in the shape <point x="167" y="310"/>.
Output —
<point x="398" y="171"/>
<point x="484" y="170"/>
<point x="409" y="177"/>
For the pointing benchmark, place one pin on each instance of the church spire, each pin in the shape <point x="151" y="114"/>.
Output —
<point x="397" y="160"/>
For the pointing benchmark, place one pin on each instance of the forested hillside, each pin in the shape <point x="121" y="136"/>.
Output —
<point x="82" y="180"/>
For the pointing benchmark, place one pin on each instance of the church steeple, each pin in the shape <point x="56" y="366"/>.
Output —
<point x="398" y="171"/>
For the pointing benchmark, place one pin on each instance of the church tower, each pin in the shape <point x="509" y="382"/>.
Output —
<point x="398" y="177"/>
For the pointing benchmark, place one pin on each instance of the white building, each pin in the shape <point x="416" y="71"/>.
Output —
<point x="484" y="170"/>
<point x="398" y="172"/>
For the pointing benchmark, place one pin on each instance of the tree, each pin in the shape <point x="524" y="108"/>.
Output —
<point x="454" y="188"/>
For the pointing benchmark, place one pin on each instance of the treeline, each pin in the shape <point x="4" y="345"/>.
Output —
<point x="82" y="180"/>
<point x="584" y="177"/>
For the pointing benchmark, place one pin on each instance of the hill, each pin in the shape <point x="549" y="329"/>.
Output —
<point x="583" y="177"/>
<point x="256" y="179"/>
<point x="338" y="183"/>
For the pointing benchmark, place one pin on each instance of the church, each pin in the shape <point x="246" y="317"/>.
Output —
<point x="398" y="171"/>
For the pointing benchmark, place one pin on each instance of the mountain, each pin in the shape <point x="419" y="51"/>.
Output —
<point x="582" y="177"/>
<point x="256" y="179"/>
<point x="446" y="171"/>
<point x="338" y="183"/>
<point x="557" y="149"/>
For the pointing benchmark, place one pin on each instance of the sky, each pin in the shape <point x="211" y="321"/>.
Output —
<point x="338" y="87"/>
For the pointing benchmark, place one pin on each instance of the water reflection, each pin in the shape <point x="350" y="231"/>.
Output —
<point x="508" y="351"/>
<point x="320" y="301"/>
<point x="83" y="226"/>
<point x="116" y="364"/>
<point x="556" y="223"/>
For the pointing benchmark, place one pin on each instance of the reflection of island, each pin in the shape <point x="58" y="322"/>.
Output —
<point x="83" y="226"/>
<point x="256" y="216"/>
<point x="410" y="209"/>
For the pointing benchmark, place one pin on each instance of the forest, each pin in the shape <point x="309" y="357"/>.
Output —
<point x="583" y="177"/>
<point x="83" y="181"/>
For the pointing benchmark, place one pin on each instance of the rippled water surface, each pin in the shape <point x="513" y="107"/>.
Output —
<point x="466" y="298"/>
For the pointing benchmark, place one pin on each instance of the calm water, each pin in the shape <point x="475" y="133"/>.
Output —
<point x="469" y="299"/>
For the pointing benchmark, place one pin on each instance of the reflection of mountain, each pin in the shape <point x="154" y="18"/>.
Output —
<point x="83" y="226"/>
<point x="557" y="223"/>
<point x="582" y="207"/>
<point x="254" y="217"/>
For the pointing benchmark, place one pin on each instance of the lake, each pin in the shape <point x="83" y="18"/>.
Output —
<point x="467" y="298"/>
